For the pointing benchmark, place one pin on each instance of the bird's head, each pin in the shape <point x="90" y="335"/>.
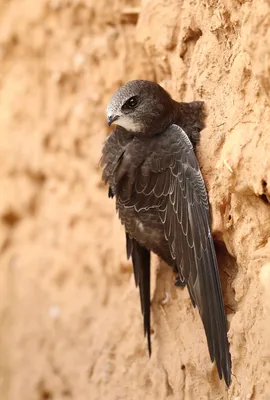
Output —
<point x="140" y="107"/>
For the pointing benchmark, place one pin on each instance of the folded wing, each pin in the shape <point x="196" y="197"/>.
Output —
<point x="171" y="181"/>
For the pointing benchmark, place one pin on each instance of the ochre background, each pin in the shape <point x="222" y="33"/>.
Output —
<point x="70" y="323"/>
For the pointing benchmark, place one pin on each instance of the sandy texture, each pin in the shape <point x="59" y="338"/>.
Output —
<point x="69" y="312"/>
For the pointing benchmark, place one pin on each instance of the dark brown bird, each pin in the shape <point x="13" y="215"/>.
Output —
<point x="151" y="168"/>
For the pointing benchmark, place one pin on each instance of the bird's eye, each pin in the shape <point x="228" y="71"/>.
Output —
<point x="132" y="102"/>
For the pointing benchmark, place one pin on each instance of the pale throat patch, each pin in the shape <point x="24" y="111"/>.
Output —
<point x="128" y="124"/>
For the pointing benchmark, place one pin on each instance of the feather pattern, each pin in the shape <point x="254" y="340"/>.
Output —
<point x="162" y="202"/>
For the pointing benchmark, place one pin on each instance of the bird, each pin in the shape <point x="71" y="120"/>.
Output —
<point x="150" y="166"/>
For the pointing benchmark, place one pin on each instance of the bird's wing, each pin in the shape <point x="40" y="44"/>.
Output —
<point x="116" y="166"/>
<point x="141" y="265"/>
<point x="171" y="181"/>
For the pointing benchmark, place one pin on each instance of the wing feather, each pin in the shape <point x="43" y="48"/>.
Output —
<point x="173" y="183"/>
<point x="141" y="266"/>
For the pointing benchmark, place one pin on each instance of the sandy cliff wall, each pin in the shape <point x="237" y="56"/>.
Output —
<point x="69" y="313"/>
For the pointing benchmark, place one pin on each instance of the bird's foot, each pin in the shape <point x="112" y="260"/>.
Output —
<point x="179" y="282"/>
<point x="110" y="193"/>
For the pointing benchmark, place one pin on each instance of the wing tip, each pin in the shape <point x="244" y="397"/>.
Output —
<point x="228" y="379"/>
<point x="149" y="344"/>
<point x="141" y="265"/>
<point x="224" y="368"/>
<point x="227" y="373"/>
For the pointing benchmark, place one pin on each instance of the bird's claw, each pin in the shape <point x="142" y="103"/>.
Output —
<point x="179" y="283"/>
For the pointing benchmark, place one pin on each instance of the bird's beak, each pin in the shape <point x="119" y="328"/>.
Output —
<point x="112" y="118"/>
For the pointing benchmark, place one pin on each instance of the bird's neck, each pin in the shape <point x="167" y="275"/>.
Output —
<point x="180" y="112"/>
<point x="190" y="117"/>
